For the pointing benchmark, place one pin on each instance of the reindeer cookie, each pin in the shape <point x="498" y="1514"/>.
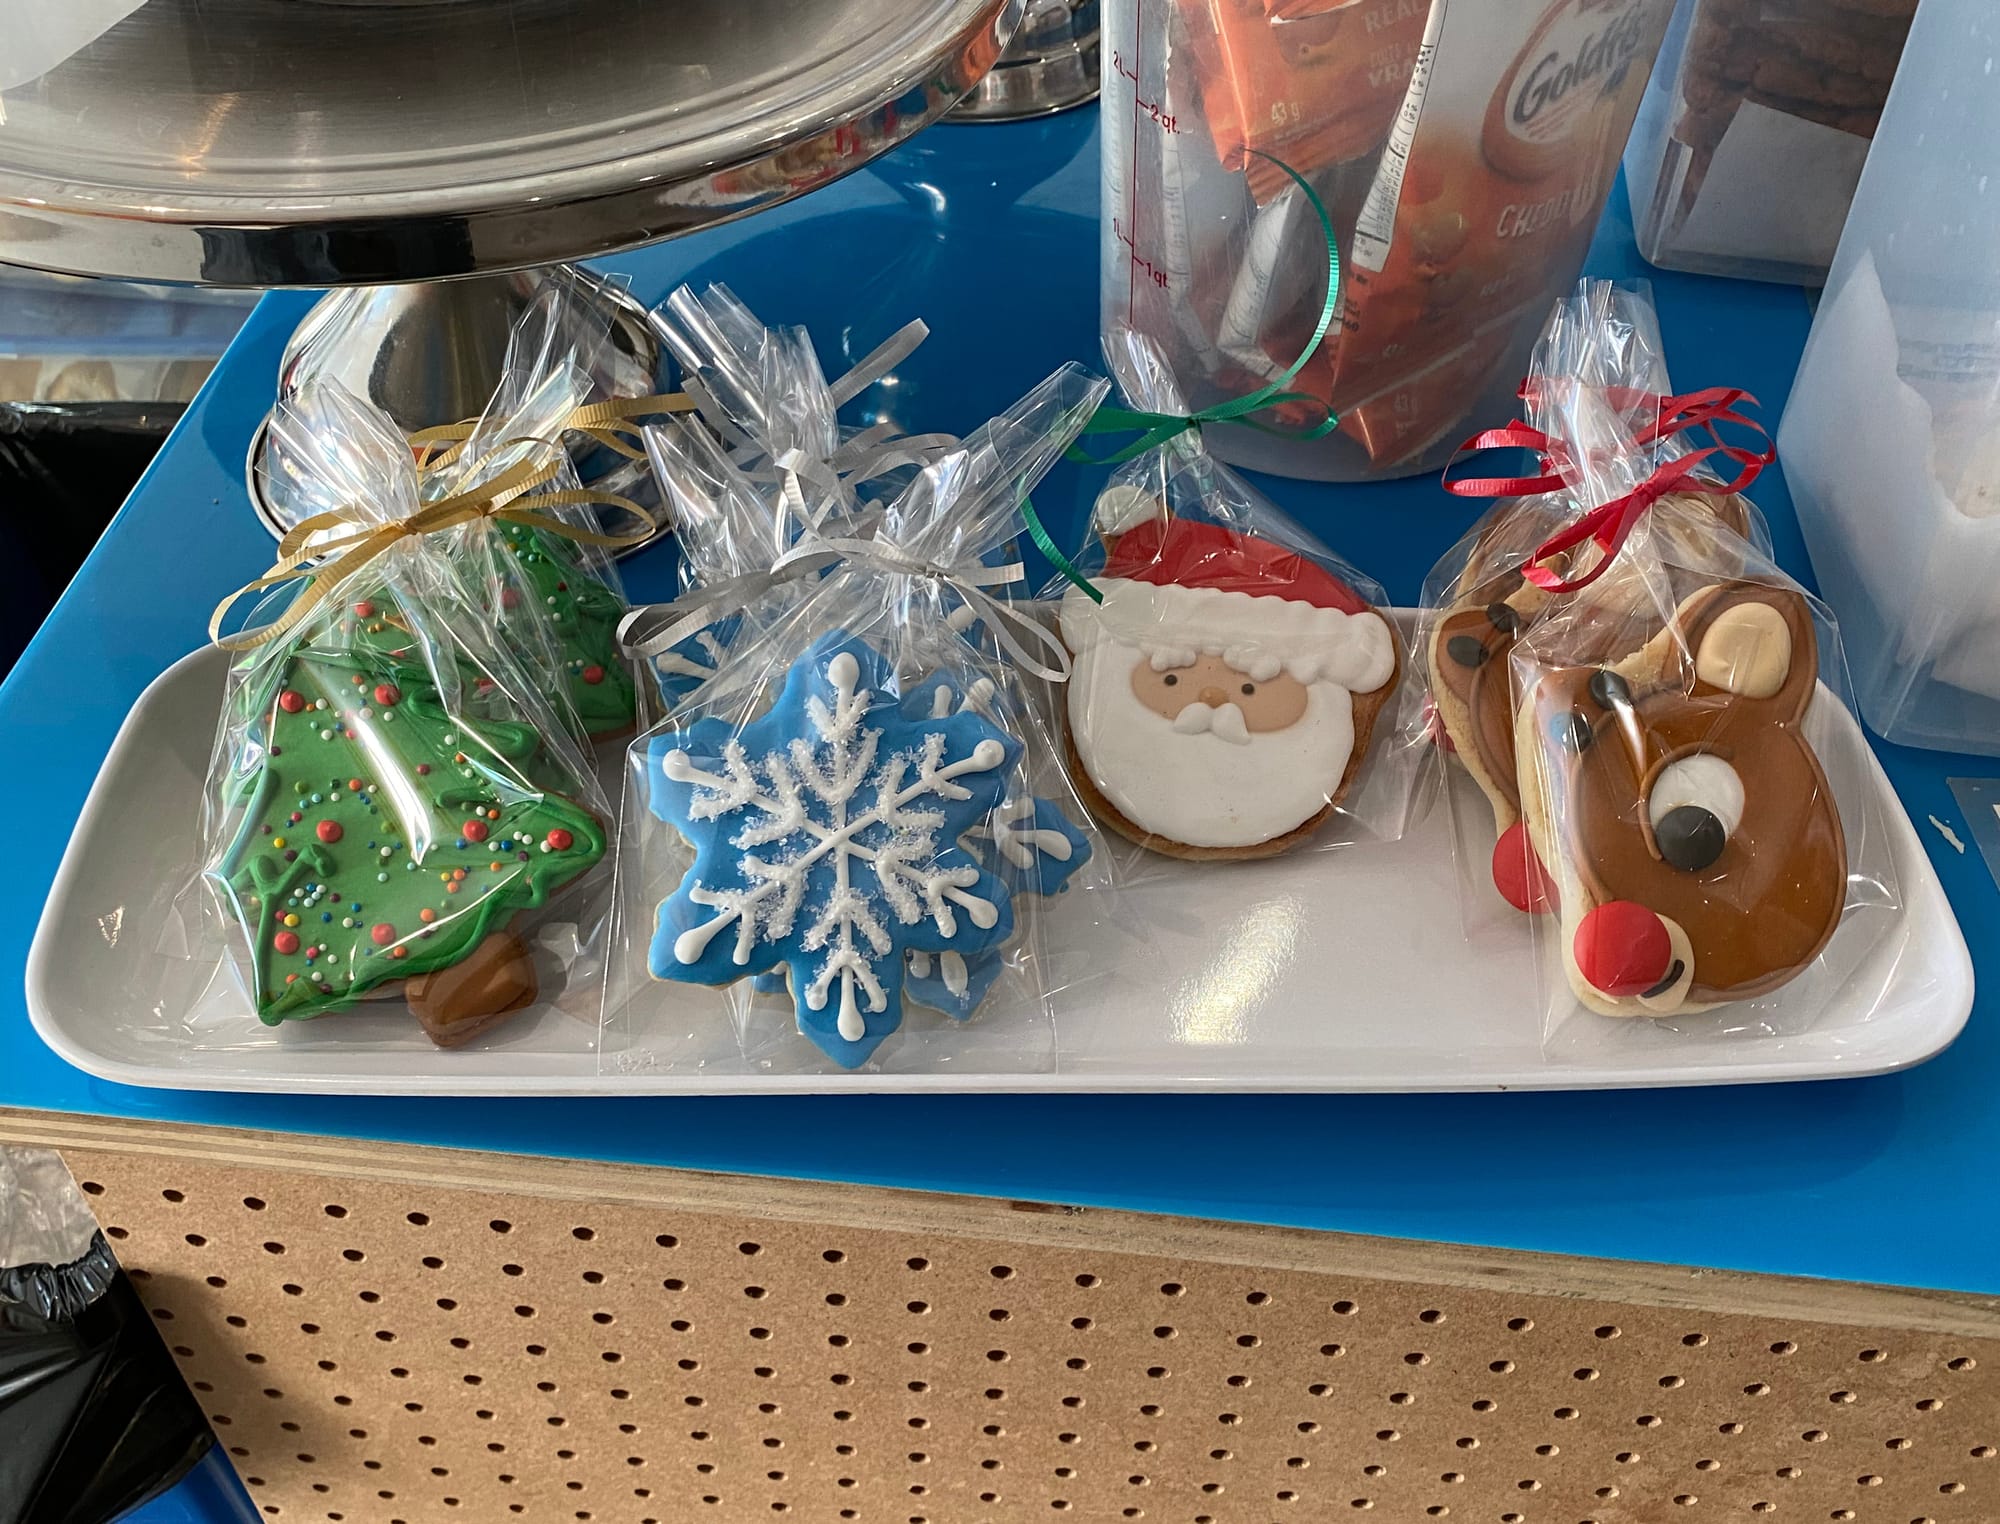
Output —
<point x="1697" y="855"/>
<point x="1471" y="683"/>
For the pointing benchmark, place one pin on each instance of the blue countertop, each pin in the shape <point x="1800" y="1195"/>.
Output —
<point x="1884" y="1179"/>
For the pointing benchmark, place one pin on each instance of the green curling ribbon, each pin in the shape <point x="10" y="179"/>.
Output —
<point x="1047" y="547"/>
<point x="1155" y="429"/>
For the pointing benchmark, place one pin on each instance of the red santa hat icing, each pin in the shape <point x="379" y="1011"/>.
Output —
<point x="1182" y="588"/>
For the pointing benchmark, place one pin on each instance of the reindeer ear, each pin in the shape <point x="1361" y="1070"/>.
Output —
<point x="1755" y="642"/>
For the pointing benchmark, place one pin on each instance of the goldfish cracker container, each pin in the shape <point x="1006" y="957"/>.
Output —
<point x="1461" y="150"/>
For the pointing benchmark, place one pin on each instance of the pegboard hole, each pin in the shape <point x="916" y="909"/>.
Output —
<point x="1929" y="1404"/>
<point x="1960" y="1363"/>
<point x="1501" y="1367"/>
<point x="1346" y="1309"/>
<point x="1729" y="1428"/>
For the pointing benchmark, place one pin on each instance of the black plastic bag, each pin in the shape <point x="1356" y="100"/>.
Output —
<point x="94" y="1418"/>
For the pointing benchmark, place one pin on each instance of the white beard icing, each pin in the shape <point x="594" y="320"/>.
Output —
<point x="1203" y="789"/>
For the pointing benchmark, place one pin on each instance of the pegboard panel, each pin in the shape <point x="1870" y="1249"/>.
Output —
<point x="413" y="1337"/>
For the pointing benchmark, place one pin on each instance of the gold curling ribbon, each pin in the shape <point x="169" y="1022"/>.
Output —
<point x="605" y="422"/>
<point x="437" y="448"/>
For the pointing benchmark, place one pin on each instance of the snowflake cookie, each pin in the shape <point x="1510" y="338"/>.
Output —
<point x="827" y="841"/>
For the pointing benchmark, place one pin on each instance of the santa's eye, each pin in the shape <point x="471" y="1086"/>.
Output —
<point x="1170" y="680"/>
<point x="1248" y="689"/>
<point x="1696" y="805"/>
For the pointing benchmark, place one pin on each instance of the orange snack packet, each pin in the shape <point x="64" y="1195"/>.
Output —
<point x="1310" y="84"/>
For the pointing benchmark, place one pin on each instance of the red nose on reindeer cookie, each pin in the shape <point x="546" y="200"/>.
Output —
<point x="1697" y="850"/>
<point x="1224" y="690"/>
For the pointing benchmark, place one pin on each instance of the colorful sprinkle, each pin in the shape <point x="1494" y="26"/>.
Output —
<point x="291" y="702"/>
<point x="593" y="675"/>
<point x="383" y="933"/>
<point x="329" y="830"/>
<point x="474" y="830"/>
<point x="560" y="840"/>
<point x="364" y="610"/>
<point x="286" y="942"/>
<point x="387" y="694"/>
<point x="427" y="914"/>
<point x="277" y="841"/>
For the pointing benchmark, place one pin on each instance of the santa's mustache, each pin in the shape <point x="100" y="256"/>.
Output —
<point x="1224" y="722"/>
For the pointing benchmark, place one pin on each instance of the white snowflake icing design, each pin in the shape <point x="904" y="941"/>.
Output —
<point x="832" y="844"/>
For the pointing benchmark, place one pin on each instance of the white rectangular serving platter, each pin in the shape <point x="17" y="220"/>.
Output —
<point x="1347" y="970"/>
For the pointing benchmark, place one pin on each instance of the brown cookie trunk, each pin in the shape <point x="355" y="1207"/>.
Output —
<point x="475" y="994"/>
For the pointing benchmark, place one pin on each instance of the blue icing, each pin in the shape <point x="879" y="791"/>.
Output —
<point x="926" y="982"/>
<point x="827" y="841"/>
<point x="686" y="665"/>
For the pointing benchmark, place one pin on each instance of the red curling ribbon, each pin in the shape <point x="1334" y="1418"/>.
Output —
<point x="1611" y="524"/>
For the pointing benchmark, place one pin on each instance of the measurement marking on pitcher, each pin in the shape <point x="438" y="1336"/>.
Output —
<point x="1140" y="262"/>
<point x="1165" y="120"/>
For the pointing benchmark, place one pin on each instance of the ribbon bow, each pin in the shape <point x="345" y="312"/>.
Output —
<point x="648" y="632"/>
<point x="324" y="564"/>
<point x="1611" y="524"/>
<point x="1155" y="429"/>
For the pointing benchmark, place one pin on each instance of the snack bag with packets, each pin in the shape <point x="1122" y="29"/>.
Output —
<point x="1462" y="150"/>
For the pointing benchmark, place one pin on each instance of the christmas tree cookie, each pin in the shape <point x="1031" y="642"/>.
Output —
<point x="583" y="615"/>
<point x="379" y="840"/>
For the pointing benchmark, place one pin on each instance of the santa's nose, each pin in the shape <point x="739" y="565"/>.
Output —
<point x="1215" y="698"/>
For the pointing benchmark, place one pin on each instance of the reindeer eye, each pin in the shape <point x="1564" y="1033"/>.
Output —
<point x="1466" y="650"/>
<point x="1170" y="680"/>
<point x="1248" y="689"/>
<point x="1696" y="805"/>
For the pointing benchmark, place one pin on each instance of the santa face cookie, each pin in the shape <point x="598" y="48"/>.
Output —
<point x="1224" y="691"/>
<point x="1698" y="855"/>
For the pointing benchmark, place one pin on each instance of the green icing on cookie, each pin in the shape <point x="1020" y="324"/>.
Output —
<point x="379" y="838"/>
<point x="584" y="615"/>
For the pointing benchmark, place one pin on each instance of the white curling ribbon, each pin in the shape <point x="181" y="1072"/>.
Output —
<point x="652" y="629"/>
<point x="1008" y="621"/>
<point x="878" y="362"/>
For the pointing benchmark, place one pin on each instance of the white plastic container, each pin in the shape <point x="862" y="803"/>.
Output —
<point x="1891" y="441"/>
<point x="1754" y="130"/>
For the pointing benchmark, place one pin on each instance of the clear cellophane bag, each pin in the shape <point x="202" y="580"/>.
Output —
<point x="854" y="845"/>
